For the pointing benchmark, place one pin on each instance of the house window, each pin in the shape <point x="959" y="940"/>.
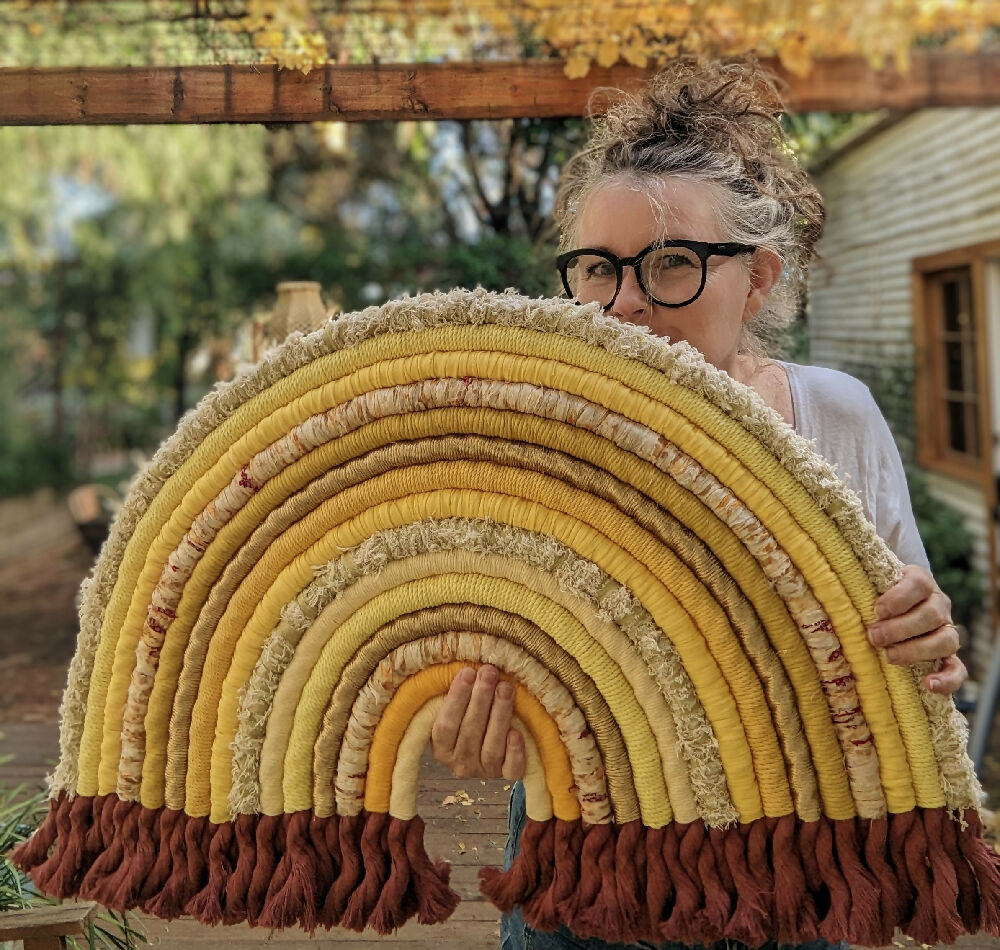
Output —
<point x="955" y="333"/>
<point x="951" y="389"/>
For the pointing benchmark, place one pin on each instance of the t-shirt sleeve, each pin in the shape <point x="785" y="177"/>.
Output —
<point x="840" y="415"/>
<point x="894" y="518"/>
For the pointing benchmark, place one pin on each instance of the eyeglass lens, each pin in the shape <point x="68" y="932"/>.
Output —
<point x="671" y="274"/>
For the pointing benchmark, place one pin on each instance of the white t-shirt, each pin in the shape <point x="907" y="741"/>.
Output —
<point x="840" y="415"/>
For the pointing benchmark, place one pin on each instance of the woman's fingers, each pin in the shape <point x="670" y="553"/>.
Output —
<point x="444" y="732"/>
<point x="948" y="678"/>
<point x="469" y="744"/>
<point x="513" y="763"/>
<point x="939" y="644"/>
<point x="494" y="750"/>
<point x="916" y="585"/>
<point x="927" y="616"/>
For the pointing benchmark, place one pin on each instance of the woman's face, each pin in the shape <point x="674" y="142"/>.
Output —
<point x="622" y="219"/>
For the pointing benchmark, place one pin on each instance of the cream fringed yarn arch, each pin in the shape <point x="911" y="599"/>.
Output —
<point x="675" y="584"/>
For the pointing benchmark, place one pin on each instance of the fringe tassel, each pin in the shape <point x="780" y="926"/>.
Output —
<point x="630" y="880"/>
<point x="551" y="908"/>
<point x="351" y="868"/>
<point x="857" y="880"/>
<point x="291" y="898"/>
<point x="794" y="913"/>
<point x="659" y="885"/>
<point x="681" y="924"/>
<point x="267" y="856"/>
<point x="238" y="884"/>
<point x="67" y="852"/>
<point x="436" y="901"/>
<point x="109" y="874"/>
<point x="375" y="861"/>
<point x="168" y="902"/>
<point x="32" y="853"/>
<point x="207" y="905"/>
<point x="397" y="901"/>
<point x="968" y="890"/>
<point x="517" y="883"/>
<point x="329" y="913"/>
<point x="163" y="866"/>
<point x="546" y="861"/>
<point x="875" y="832"/>
<point x="985" y="864"/>
<point x="751" y="919"/>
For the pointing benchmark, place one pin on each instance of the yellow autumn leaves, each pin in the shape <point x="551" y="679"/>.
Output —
<point x="303" y="34"/>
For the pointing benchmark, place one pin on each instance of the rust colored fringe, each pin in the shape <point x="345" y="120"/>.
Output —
<point x="930" y="875"/>
<point x="854" y="880"/>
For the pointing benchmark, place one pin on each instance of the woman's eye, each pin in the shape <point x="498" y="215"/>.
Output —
<point x="601" y="269"/>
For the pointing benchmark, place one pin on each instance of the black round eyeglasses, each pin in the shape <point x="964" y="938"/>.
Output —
<point x="670" y="273"/>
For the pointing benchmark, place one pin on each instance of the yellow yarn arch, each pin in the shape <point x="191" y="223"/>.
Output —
<point x="677" y="586"/>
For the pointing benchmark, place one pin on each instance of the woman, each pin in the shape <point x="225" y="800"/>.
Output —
<point x="688" y="213"/>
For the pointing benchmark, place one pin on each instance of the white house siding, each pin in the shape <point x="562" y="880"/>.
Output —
<point x="926" y="184"/>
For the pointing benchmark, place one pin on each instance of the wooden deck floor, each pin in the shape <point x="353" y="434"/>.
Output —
<point x="466" y="823"/>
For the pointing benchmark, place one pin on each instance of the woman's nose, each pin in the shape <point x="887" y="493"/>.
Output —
<point x="631" y="300"/>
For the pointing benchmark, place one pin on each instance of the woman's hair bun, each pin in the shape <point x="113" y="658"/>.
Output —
<point x="719" y="123"/>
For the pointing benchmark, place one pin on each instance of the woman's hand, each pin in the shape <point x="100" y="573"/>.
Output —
<point x="914" y="625"/>
<point x="472" y="733"/>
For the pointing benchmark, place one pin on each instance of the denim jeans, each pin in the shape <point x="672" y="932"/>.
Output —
<point x="515" y="934"/>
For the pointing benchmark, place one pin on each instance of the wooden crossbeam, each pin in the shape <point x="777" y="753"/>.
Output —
<point x="465" y="90"/>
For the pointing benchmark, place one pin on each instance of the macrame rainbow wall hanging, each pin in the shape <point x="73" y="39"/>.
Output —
<point x="677" y="586"/>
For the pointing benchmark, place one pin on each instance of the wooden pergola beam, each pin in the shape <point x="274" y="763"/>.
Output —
<point x="487" y="90"/>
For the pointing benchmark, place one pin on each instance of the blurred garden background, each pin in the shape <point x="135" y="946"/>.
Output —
<point x="136" y="260"/>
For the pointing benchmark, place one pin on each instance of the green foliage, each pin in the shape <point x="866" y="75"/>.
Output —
<point x="20" y="814"/>
<point x="949" y="549"/>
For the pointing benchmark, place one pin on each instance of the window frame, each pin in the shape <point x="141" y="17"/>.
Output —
<point x="933" y="451"/>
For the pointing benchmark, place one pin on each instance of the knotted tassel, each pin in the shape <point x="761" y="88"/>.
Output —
<point x="921" y="926"/>
<point x="630" y="880"/>
<point x="351" y="868"/>
<point x="558" y="900"/>
<point x="968" y="890"/>
<point x="875" y="832"/>
<point x="899" y="829"/>
<point x="291" y="899"/>
<point x="435" y="899"/>
<point x="62" y="867"/>
<point x="681" y="925"/>
<point x="169" y="902"/>
<point x="325" y="868"/>
<point x="238" y="884"/>
<point x="834" y="925"/>
<point x="101" y="881"/>
<point x="29" y="854"/>
<point x="207" y="905"/>
<point x="546" y="872"/>
<point x="598" y="914"/>
<point x="659" y="886"/>
<point x="944" y="877"/>
<point x="714" y="915"/>
<point x="141" y="858"/>
<point x="794" y="911"/>
<point x="985" y="865"/>
<point x="267" y="855"/>
<point x="751" y="919"/>
<point x="518" y="882"/>
<point x="864" y="922"/>
<point x="120" y="886"/>
<point x="159" y="874"/>
<point x="397" y="901"/>
<point x="329" y="914"/>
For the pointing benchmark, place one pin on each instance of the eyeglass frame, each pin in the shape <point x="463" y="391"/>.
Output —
<point x="703" y="249"/>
